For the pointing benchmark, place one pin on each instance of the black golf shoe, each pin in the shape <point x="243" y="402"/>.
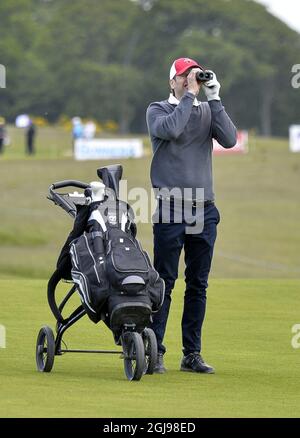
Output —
<point x="159" y="367"/>
<point x="194" y="363"/>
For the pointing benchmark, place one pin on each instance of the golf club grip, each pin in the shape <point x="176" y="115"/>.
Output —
<point x="69" y="183"/>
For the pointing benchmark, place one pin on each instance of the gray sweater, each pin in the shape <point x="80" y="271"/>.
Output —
<point x="181" y="137"/>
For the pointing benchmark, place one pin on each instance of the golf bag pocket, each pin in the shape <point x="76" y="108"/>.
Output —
<point x="127" y="267"/>
<point x="88" y="272"/>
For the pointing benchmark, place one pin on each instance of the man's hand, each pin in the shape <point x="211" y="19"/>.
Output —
<point x="193" y="85"/>
<point x="211" y="88"/>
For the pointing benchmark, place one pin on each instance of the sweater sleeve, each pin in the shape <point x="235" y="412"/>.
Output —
<point x="167" y="126"/>
<point x="223" y="130"/>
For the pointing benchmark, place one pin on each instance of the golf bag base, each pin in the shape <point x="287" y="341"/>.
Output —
<point x="134" y="312"/>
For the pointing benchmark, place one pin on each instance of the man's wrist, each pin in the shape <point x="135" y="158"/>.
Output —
<point x="215" y="105"/>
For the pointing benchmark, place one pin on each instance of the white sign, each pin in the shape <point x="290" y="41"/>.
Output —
<point x="2" y="336"/>
<point x="295" y="138"/>
<point x="95" y="149"/>
<point x="2" y="76"/>
<point x="241" y="146"/>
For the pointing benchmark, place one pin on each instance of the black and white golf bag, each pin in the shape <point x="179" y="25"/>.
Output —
<point x="114" y="275"/>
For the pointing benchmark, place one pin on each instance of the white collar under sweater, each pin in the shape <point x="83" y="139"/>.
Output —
<point x="174" y="101"/>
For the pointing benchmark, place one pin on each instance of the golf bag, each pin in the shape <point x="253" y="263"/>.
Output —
<point x="114" y="275"/>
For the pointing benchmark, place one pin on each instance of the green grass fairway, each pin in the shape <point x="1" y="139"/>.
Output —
<point x="247" y="337"/>
<point x="248" y="329"/>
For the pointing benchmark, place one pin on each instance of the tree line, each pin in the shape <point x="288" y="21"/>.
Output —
<point x="108" y="59"/>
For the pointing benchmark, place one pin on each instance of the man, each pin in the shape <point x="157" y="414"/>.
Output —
<point x="30" y="134"/>
<point x="181" y="131"/>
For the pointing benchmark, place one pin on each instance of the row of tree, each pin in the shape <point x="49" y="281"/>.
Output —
<point x="108" y="59"/>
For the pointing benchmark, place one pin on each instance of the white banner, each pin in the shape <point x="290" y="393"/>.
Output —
<point x="241" y="146"/>
<point x="295" y="138"/>
<point x="95" y="149"/>
<point x="2" y="336"/>
<point x="2" y="76"/>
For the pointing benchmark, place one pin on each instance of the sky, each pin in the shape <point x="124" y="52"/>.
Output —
<point x="287" y="10"/>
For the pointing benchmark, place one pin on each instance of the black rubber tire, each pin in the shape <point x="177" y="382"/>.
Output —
<point x="134" y="355"/>
<point x="45" y="350"/>
<point x="150" y="345"/>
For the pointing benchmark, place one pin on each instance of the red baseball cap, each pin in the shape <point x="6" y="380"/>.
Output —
<point x="180" y="65"/>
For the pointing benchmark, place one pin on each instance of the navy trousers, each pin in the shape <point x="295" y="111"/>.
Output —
<point x="169" y="239"/>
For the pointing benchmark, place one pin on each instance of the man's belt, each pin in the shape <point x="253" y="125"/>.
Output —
<point x="194" y="202"/>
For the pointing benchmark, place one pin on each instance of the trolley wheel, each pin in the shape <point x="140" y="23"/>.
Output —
<point x="150" y="345"/>
<point x="45" y="349"/>
<point x="134" y="355"/>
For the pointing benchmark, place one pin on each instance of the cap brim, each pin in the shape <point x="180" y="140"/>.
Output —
<point x="180" y="72"/>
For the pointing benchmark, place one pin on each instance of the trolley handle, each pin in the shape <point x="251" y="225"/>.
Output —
<point x="64" y="200"/>
<point x="68" y="183"/>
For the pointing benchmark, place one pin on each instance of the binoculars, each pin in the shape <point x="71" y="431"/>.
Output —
<point x="203" y="76"/>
